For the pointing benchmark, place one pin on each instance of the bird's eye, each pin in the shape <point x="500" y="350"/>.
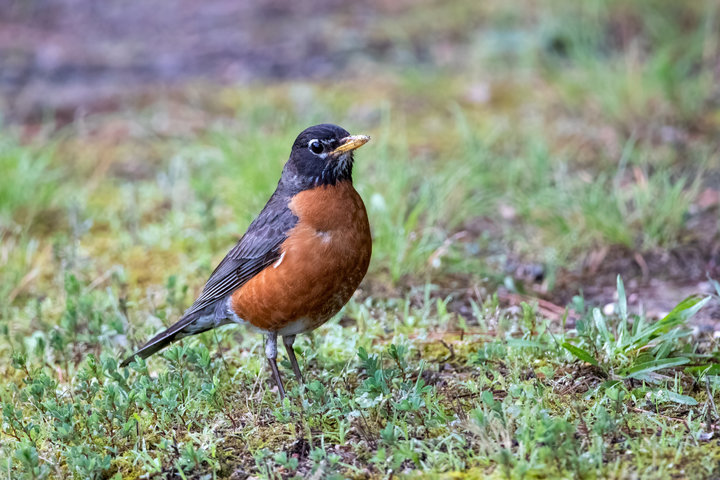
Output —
<point x="316" y="147"/>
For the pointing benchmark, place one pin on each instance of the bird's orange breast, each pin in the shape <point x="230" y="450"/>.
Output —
<point x="322" y="262"/>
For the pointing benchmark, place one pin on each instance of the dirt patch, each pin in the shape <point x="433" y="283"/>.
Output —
<point x="655" y="281"/>
<point x="67" y="54"/>
<point x="75" y="56"/>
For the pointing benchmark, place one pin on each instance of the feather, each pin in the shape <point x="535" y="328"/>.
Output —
<point x="257" y="249"/>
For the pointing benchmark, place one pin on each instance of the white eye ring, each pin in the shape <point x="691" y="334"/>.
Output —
<point x="315" y="146"/>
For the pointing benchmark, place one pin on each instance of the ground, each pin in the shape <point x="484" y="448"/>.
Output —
<point x="542" y="186"/>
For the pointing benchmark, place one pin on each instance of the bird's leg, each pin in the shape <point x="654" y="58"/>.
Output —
<point x="288" y="341"/>
<point x="271" y="354"/>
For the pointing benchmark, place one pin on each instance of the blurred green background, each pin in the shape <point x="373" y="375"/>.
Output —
<point x="529" y="142"/>
<point x="532" y="150"/>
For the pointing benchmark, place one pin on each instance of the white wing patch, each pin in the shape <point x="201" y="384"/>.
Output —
<point x="279" y="260"/>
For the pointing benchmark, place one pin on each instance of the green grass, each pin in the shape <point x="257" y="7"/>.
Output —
<point x="553" y="132"/>
<point x="506" y="397"/>
<point x="29" y="186"/>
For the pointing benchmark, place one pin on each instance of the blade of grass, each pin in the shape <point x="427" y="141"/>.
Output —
<point x="580" y="353"/>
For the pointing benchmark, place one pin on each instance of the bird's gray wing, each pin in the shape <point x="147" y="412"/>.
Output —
<point x="256" y="250"/>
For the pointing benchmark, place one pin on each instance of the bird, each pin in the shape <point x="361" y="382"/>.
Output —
<point x="301" y="259"/>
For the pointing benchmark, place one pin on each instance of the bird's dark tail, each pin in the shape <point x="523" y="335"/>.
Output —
<point x="189" y="325"/>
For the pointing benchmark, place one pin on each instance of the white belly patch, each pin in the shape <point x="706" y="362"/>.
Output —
<point x="300" y="325"/>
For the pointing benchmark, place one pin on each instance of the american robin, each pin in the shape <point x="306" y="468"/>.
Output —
<point x="300" y="260"/>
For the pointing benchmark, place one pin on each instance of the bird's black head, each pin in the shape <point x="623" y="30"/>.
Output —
<point x="321" y="155"/>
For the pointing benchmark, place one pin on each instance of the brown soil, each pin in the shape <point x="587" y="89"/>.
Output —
<point x="74" y="56"/>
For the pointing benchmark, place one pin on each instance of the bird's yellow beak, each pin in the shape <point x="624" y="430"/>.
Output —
<point x="350" y="143"/>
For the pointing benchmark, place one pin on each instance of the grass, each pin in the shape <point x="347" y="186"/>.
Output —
<point x="506" y="396"/>
<point x="550" y="134"/>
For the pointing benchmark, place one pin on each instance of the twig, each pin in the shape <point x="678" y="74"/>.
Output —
<point x="642" y="264"/>
<point x="711" y="400"/>
<point x="545" y="307"/>
<point x="435" y="258"/>
<point x="674" y="419"/>
<point x="451" y="349"/>
<point x="29" y="277"/>
<point x="101" y="279"/>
